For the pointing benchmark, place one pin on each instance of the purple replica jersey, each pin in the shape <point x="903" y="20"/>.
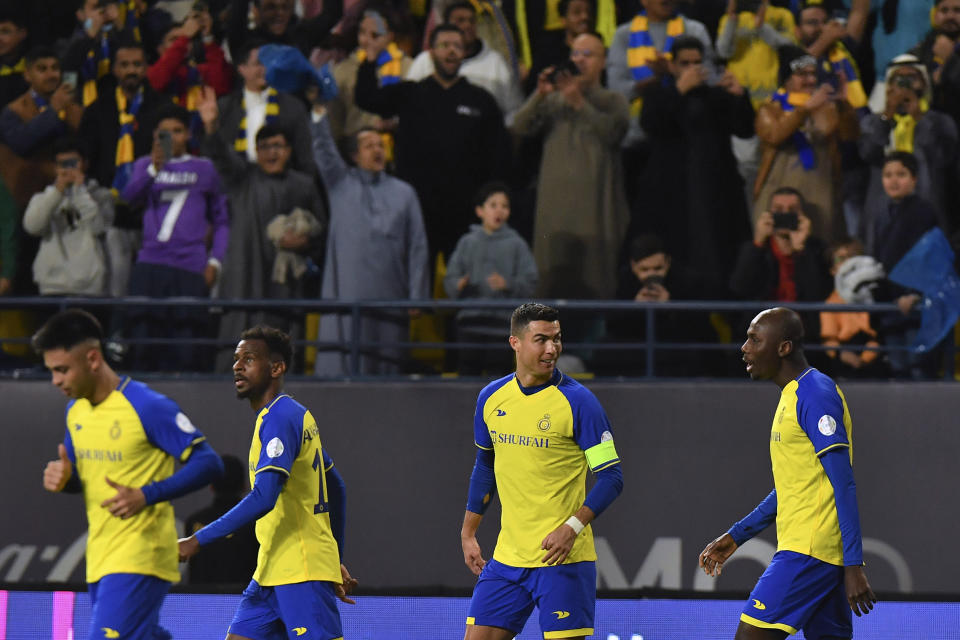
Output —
<point x="181" y="203"/>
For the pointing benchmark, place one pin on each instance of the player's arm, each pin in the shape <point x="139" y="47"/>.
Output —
<point x="202" y="467"/>
<point x="261" y="499"/>
<point x="592" y="431"/>
<point x="836" y="464"/>
<point x="483" y="484"/>
<point x="337" y="497"/>
<point x="720" y="549"/>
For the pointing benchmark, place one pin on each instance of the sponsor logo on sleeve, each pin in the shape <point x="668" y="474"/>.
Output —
<point x="606" y="436"/>
<point x="827" y="425"/>
<point x="184" y="424"/>
<point x="275" y="448"/>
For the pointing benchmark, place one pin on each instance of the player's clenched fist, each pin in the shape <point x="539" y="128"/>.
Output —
<point x="57" y="472"/>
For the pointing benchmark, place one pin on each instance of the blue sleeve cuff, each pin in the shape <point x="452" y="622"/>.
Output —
<point x="756" y="521"/>
<point x="263" y="497"/>
<point x="836" y="463"/>
<point x="483" y="483"/>
<point x="608" y="487"/>
<point x="201" y="468"/>
<point x="337" y="495"/>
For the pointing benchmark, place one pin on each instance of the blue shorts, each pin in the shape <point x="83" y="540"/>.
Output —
<point x="127" y="605"/>
<point x="566" y="595"/>
<point x="301" y="611"/>
<point x="800" y="592"/>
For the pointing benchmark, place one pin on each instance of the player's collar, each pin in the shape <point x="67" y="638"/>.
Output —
<point x="529" y="391"/>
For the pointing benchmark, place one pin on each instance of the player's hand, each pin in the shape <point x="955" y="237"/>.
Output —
<point x="716" y="553"/>
<point x="187" y="548"/>
<point x="349" y="584"/>
<point x="558" y="544"/>
<point x="859" y="594"/>
<point x="58" y="472"/>
<point x="471" y="555"/>
<point x="128" y="502"/>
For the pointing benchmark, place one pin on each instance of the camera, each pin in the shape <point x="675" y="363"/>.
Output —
<point x="567" y="66"/>
<point x="166" y="143"/>
<point x="786" y="220"/>
<point x="652" y="281"/>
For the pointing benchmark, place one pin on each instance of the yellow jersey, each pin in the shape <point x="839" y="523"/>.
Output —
<point x="133" y="437"/>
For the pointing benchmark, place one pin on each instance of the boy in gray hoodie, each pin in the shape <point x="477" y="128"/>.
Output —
<point x="490" y="261"/>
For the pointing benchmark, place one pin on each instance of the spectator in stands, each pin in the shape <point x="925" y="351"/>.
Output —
<point x="481" y="65"/>
<point x="578" y="16"/>
<point x="638" y="54"/>
<point x="30" y="123"/>
<point x="255" y="104"/>
<point x="693" y="195"/>
<point x="183" y="204"/>
<point x="276" y="22"/>
<point x="854" y="280"/>
<point x="8" y="240"/>
<point x="118" y="127"/>
<point x="71" y="217"/>
<point x="908" y="217"/>
<point x="784" y="261"/>
<point x="343" y="115"/>
<point x="832" y="41"/>
<point x="900" y="25"/>
<point x="92" y="50"/>
<point x="654" y="277"/>
<point x="938" y="52"/>
<point x="749" y="35"/>
<point x="13" y="35"/>
<point x="190" y="58"/>
<point x="907" y="124"/>
<point x="491" y="261"/>
<point x="258" y="194"/>
<point x="581" y="213"/>
<point x="376" y="248"/>
<point x="440" y="117"/>
<point x="800" y="128"/>
<point x="495" y="26"/>
<point x="229" y="560"/>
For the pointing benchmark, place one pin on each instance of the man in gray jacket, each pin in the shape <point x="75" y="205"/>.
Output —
<point x="71" y="216"/>
<point x="376" y="250"/>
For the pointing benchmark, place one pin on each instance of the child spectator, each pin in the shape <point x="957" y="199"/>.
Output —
<point x="490" y="261"/>
<point x="71" y="216"/>
<point x="855" y="276"/>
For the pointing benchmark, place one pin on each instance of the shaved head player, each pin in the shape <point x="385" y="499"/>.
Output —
<point x="816" y="577"/>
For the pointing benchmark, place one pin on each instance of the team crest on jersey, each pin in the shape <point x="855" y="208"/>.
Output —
<point x="827" y="425"/>
<point x="115" y="430"/>
<point x="544" y="424"/>
<point x="275" y="448"/>
<point x="184" y="424"/>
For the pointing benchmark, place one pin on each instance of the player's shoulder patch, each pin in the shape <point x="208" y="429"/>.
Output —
<point x="827" y="425"/>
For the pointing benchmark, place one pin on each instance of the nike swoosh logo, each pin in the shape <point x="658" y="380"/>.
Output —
<point x="758" y="605"/>
<point x="562" y="614"/>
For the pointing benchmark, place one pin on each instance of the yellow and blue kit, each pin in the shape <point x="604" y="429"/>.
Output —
<point x="133" y="438"/>
<point x="814" y="503"/>
<point x="535" y="446"/>
<point x="298" y="500"/>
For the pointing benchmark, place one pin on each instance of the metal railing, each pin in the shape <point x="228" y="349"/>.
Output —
<point x="356" y="311"/>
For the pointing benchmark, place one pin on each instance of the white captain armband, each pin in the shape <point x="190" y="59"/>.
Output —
<point x="574" y="523"/>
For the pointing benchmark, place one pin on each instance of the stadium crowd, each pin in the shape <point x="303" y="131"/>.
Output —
<point x="647" y="150"/>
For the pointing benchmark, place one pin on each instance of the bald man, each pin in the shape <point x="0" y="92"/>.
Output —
<point x="816" y="578"/>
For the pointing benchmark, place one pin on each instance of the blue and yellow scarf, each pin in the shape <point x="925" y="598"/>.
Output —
<point x="789" y="102"/>
<point x="93" y="68"/>
<point x="389" y="64"/>
<point x="128" y="122"/>
<point x="641" y="50"/>
<point x="9" y="70"/>
<point x="273" y="110"/>
<point x="841" y="61"/>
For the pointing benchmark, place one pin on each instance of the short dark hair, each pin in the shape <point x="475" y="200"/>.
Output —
<point x="39" y="53"/>
<point x="444" y="27"/>
<point x="646" y="245"/>
<point x="172" y="112"/>
<point x="271" y="130"/>
<point x="488" y="189"/>
<point x="243" y="51"/>
<point x="350" y="144"/>
<point x="686" y="42"/>
<point x="66" y="330"/>
<point x="127" y="41"/>
<point x="790" y="191"/>
<point x="787" y="55"/>
<point x="69" y="144"/>
<point x="563" y="5"/>
<point x="531" y="312"/>
<point x="16" y="16"/>
<point x="907" y="159"/>
<point x="459" y="4"/>
<point x="278" y="342"/>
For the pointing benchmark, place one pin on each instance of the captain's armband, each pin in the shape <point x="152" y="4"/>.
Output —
<point x="602" y="455"/>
